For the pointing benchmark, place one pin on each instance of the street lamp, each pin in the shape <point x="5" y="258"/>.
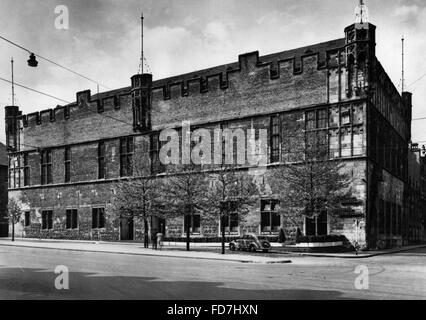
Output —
<point x="32" y="62"/>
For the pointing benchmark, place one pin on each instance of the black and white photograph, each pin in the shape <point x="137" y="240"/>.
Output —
<point x="226" y="151"/>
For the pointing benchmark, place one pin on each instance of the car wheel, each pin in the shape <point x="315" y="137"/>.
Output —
<point x="252" y="248"/>
<point x="232" y="247"/>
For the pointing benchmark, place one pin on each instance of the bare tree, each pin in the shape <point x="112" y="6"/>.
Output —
<point x="14" y="213"/>
<point x="184" y="192"/>
<point x="308" y="182"/>
<point x="138" y="198"/>
<point x="230" y="194"/>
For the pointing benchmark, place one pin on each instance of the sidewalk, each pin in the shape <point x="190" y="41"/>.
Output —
<point x="352" y="255"/>
<point x="134" y="249"/>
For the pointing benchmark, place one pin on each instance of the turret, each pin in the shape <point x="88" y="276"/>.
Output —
<point x="12" y="132"/>
<point x="141" y="101"/>
<point x="360" y="53"/>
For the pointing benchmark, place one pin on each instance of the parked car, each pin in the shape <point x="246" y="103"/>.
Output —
<point x="250" y="242"/>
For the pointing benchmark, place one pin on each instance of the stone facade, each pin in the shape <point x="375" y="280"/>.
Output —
<point x="341" y="78"/>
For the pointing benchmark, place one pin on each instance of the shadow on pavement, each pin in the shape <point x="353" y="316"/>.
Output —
<point x="27" y="283"/>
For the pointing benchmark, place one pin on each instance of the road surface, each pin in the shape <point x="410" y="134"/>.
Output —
<point x="28" y="273"/>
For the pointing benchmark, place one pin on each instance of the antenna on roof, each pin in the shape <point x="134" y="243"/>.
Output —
<point x="13" y="83"/>
<point x="141" y="66"/>
<point x="403" y="70"/>
<point x="361" y="13"/>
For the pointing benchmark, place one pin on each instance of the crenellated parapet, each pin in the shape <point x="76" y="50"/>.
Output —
<point x="85" y="105"/>
<point x="249" y="66"/>
<point x="284" y="66"/>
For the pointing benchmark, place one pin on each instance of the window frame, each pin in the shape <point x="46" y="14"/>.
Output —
<point x="71" y="221"/>
<point x="192" y="228"/>
<point x="127" y="147"/>
<point x="101" y="160"/>
<point x="67" y="164"/>
<point x="272" y="215"/>
<point x="275" y="139"/>
<point x="96" y="223"/>
<point x="46" y="167"/>
<point x="47" y="216"/>
<point x="27" y="218"/>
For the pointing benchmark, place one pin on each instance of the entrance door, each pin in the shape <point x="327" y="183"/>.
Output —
<point x="126" y="228"/>
<point x="158" y="225"/>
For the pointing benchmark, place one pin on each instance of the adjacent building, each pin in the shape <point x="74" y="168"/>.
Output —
<point x="413" y="227"/>
<point x="3" y="191"/>
<point x="64" y="162"/>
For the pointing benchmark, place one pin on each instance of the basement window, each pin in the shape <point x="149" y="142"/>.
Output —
<point x="47" y="220"/>
<point x="194" y="223"/>
<point x="98" y="218"/>
<point x="71" y="219"/>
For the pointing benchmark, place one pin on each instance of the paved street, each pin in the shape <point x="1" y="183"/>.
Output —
<point x="28" y="273"/>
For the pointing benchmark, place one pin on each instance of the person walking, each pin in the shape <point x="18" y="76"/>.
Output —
<point x="154" y="240"/>
<point x="160" y="240"/>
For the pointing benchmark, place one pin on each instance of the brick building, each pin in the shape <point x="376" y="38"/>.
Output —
<point x="66" y="160"/>
<point x="3" y="191"/>
<point x="416" y="196"/>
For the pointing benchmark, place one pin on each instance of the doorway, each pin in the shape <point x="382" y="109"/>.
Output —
<point x="126" y="228"/>
<point x="158" y="225"/>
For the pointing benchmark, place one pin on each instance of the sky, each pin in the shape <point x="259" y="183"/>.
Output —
<point x="103" y="41"/>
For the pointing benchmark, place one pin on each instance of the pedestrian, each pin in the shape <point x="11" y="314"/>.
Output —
<point x="356" y="246"/>
<point x="154" y="240"/>
<point x="159" y="240"/>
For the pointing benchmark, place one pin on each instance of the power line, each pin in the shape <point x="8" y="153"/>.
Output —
<point x="34" y="90"/>
<point x="55" y="63"/>
<point x="46" y="94"/>
<point x="417" y="80"/>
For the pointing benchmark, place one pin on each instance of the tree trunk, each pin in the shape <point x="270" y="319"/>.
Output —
<point x="188" y="232"/>
<point x="222" y="225"/>
<point x="146" y="238"/>
<point x="13" y="231"/>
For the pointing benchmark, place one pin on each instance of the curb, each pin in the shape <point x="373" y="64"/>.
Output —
<point x="149" y="254"/>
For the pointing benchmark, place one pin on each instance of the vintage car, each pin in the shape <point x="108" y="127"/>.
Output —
<point x="250" y="242"/>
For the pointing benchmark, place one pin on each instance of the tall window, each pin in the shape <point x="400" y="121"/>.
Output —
<point x="46" y="167"/>
<point x="270" y="220"/>
<point x="275" y="139"/>
<point x="317" y="143"/>
<point x="18" y="170"/>
<point x="155" y="147"/>
<point x="14" y="172"/>
<point x="72" y="219"/>
<point x="47" y="219"/>
<point x="67" y="158"/>
<point x="98" y="218"/>
<point x="126" y="157"/>
<point x="26" y="170"/>
<point x="194" y="223"/>
<point x="101" y="160"/>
